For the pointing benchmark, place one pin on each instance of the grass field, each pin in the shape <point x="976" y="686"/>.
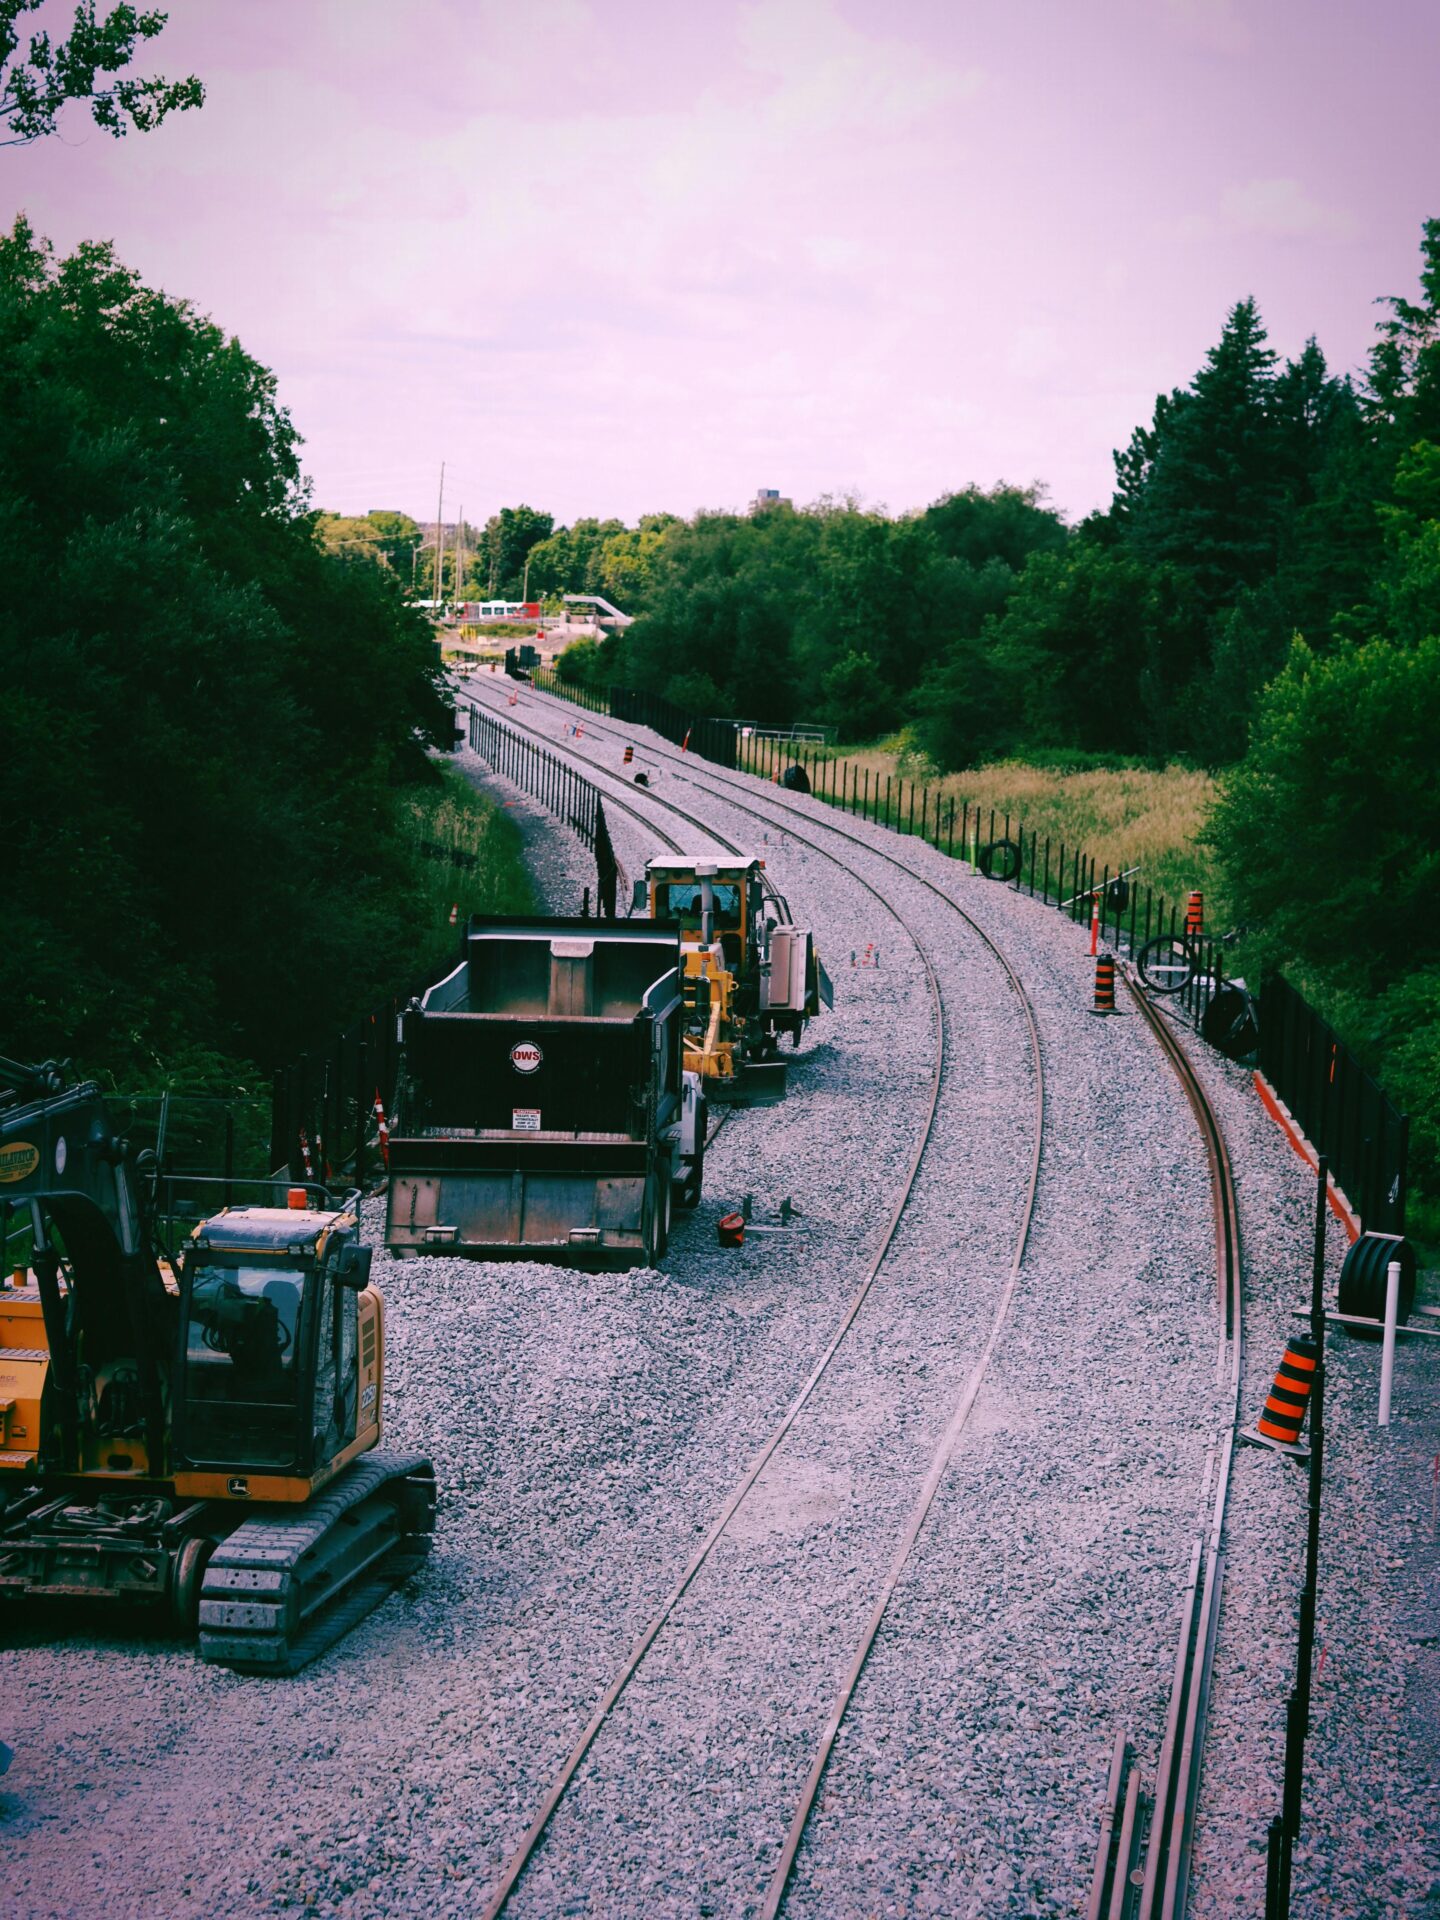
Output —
<point x="1121" y="816"/>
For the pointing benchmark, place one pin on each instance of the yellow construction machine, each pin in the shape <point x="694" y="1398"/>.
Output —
<point x="198" y="1436"/>
<point x="749" y="974"/>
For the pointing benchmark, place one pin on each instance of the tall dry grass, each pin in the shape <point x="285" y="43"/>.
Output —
<point x="1122" y="817"/>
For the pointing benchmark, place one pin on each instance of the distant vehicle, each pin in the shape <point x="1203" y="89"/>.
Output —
<point x="478" y="612"/>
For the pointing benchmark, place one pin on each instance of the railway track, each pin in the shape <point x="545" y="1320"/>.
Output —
<point x="1142" y="1862"/>
<point x="883" y="1593"/>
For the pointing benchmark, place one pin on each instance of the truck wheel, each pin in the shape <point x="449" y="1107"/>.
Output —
<point x="662" y="1222"/>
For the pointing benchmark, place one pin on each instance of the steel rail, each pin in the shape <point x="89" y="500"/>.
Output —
<point x="1167" y="1847"/>
<point x="943" y="1452"/>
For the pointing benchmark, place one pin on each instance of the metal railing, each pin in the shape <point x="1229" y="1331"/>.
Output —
<point x="1339" y="1106"/>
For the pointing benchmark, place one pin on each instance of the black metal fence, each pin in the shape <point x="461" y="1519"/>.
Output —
<point x="1342" y="1110"/>
<point x="554" y="783"/>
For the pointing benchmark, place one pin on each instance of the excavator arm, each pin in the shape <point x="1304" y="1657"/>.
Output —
<point x="62" y="1160"/>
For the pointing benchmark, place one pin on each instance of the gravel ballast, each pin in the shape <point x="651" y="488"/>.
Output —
<point x="586" y="1429"/>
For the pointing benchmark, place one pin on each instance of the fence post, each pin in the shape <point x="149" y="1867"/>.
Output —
<point x="362" y="1110"/>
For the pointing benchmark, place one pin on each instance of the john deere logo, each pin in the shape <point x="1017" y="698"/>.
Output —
<point x="19" y="1159"/>
<point x="525" y="1056"/>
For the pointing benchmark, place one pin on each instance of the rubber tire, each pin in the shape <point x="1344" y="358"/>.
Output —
<point x="662" y="1233"/>
<point x="990" y="858"/>
<point x="190" y="1564"/>
<point x="1164" y="943"/>
<point x="1229" y="1023"/>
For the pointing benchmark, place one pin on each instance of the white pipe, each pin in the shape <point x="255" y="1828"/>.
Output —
<point x="1387" y="1351"/>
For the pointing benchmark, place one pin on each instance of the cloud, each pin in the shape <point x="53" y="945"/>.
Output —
<point x="1212" y="24"/>
<point x="1282" y="209"/>
<point x="826" y="74"/>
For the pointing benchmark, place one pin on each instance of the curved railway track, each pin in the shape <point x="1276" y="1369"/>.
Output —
<point x="775" y="1892"/>
<point x="1142" y="1862"/>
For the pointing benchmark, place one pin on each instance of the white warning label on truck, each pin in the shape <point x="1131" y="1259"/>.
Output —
<point x="525" y="1119"/>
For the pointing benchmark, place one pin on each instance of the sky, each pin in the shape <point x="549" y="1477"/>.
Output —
<point x="620" y="256"/>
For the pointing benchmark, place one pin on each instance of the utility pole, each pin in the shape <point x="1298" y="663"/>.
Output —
<point x="459" y="553"/>
<point x="440" y="540"/>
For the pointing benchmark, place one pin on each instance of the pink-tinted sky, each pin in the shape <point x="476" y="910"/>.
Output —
<point x="611" y="256"/>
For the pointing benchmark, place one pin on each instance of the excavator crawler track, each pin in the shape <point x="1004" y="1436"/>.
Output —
<point x="287" y="1584"/>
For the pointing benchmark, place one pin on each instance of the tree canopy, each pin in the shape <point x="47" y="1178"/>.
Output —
<point x="211" y="720"/>
<point x="36" y="83"/>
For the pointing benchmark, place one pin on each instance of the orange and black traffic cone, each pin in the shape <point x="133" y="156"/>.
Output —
<point x="629" y="755"/>
<point x="1285" y="1405"/>
<point x="1104" y="984"/>
<point x="1195" y="916"/>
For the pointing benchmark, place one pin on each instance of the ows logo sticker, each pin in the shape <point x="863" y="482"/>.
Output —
<point x="17" y="1161"/>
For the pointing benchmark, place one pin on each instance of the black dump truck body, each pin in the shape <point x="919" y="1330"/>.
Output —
<point x="542" y="1109"/>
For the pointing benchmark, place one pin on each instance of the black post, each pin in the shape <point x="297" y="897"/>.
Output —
<point x="362" y="1104"/>
<point x="229" y="1151"/>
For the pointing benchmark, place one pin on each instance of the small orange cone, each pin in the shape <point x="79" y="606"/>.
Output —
<point x="629" y="755"/>
<point x="1286" y="1403"/>
<point x="1104" y="984"/>
<point x="455" y="913"/>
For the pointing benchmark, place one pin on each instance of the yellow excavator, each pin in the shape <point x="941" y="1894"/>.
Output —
<point x="199" y="1437"/>
<point x="749" y="974"/>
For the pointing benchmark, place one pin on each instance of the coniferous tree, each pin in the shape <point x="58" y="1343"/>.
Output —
<point x="1212" y="499"/>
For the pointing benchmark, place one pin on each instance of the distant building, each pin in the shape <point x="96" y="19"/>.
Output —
<point x="767" y="497"/>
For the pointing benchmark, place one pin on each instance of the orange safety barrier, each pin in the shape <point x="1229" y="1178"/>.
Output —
<point x="1285" y="1406"/>
<point x="629" y="755"/>
<point x="1104" y="984"/>
<point x="1195" y="916"/>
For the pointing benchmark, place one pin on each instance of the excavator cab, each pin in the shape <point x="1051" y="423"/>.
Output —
<point x="275" y="1309"/>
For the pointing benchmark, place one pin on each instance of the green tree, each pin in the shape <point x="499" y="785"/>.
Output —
<point x="1094" y="650"/>
<point x="36" y="83"/>
<point x="211" y="722"/>
<point x="505" y="545"/>
<point x="1212" y="496"/>
<point x="1329" y="829"/>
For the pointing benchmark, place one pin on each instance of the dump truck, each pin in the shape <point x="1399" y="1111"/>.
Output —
<point x="748" y="973"/>
<point x="543" y="1109"/>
